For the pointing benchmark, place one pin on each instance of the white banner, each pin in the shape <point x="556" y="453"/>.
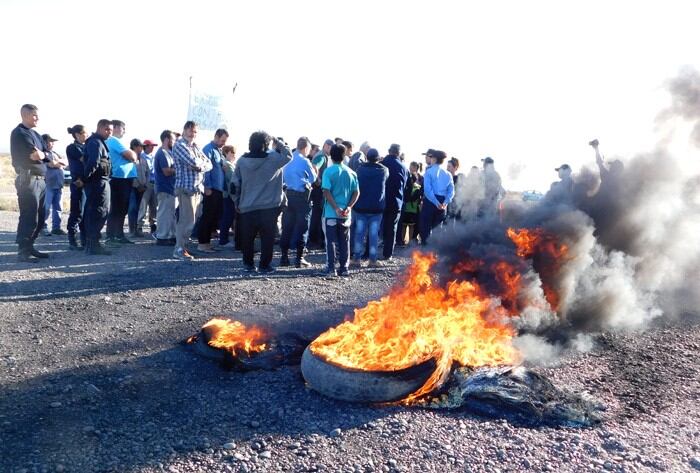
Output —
<point x="206" y="108"/>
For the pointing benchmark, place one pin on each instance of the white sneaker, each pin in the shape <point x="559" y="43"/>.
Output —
<point x="182" y="254"/>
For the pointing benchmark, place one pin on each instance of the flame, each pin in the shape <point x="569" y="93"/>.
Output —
<point x="547" y="255"/>
<point x="232" y="336"/>
<point x="418" y="320"/>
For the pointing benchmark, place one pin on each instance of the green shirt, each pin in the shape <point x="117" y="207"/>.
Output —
<point x="341" y="182"/>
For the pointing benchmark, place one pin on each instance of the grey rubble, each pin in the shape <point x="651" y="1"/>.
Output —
<point x="92" y="379"/>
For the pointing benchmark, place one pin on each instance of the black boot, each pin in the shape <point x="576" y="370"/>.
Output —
<point x="72" y="242"/>
<point x="24" y="255"/>
<point x="95" y="248"/>
<point x="284" y="259"/>
<point x="37" y="254"/>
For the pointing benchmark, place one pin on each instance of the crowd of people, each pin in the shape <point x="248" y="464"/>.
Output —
<point x="350" y="202"/>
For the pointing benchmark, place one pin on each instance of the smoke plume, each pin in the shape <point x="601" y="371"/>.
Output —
<point x="627" y="233"/>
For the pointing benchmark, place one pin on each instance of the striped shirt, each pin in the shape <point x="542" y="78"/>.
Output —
<point x="190" y="166"/>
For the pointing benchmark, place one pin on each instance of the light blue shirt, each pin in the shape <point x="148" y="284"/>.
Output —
<point x="299" y="174"/>
<point x="437" y="181"/>
<point x="121" y="168"/>
<point x="214" y="178"/>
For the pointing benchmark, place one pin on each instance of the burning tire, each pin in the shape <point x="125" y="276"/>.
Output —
<point x="354" y="385"/>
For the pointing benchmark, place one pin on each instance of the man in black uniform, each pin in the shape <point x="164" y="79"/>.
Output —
<point x="98" y="169"/>
<point x="28" y="159"/>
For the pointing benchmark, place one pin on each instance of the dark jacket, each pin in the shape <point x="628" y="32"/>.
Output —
<point x="372" y="181"/>
<point x="75" y="152"/>
<point x="97" y="162"/>
<point x="398" y="175"/>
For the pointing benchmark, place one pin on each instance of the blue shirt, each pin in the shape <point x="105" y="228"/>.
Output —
<point x="398" y="175"/>
<point x="341" y="181"/>
<point x="214" y="179"/>
<point x="164" y="159"/>
<point x="299" y="174"/>
<point x="149" y="162"/>
<point x="54" y="176"/>
<point x="75" y="152"/>
<point x="436" y="182"/>
<point x="121" y="168"/>
<point x="372" y="179"/>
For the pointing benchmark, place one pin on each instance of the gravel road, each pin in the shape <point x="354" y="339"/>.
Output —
<point x="92" y="378"/>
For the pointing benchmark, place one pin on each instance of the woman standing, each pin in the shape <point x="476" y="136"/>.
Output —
<point x="76" y="158"/>
<point x="229" y="210"/>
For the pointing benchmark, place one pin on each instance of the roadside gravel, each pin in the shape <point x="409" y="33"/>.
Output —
<point x="92" y="378"/>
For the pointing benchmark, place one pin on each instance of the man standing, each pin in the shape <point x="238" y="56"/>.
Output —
<point x="257" y="180"/>
<point x="121" y="185"/>
<point x="190" y="166"/>
<point x="299" y="176"/>
<point x="369" y="208"/>
<point x="359" y="157"/>
<point x="493" y="190"/>
<point x="398" y="175"/>
<point x="439" y="190"/>
<point x="340" y="190"/>
<point x="320" y="163"/>
<point x="75" y="152"/>
<point x="54" y="187"/>
<point x="213" y="191"/>
<point x="27" y="150"/>
<point x="164" y="170"/>
<point x="98" y="169"/>
<point x="147" y="177"/>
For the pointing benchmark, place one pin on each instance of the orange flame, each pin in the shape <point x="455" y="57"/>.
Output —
<point x="233" y="336"/>
<point x="419" y="320"/>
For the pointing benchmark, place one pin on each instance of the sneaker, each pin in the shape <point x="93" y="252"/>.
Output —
<point x="302" y="263"/>
<point x="284" y="261"/>
<point x="38" y="254"/>
<point x="46" y="232"/>
<point x="374" y="264"/>
<point x="329" y="273"/>
<point x="355" y="263"/>
<point x="266" y="269"/>
<point x="97" y="250"/>
<point x="58" y="231"/>
<point x="137" y="234"/>
<point x="113" y="242"/>
<point x="343" y="272"/>
<point x="249" y="268"/>
<point x="27" y="258"/>
<point x="182" y="254"/>
<point x="125" y="240"/>
<point x="205" y="248"/>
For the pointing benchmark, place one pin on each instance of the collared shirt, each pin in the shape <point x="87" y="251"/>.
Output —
<point x="75" y="152"/>
<point x="145" y="169"/>
<point x="438" y="181"/>
<point x="341" y="181"/>
<point x="164" y="159"/>
<point x="190" y="166"/>
<point x="54" y="176"/>
<point x="214" y="178"/>
<point x="398" y="175"/>
<point x="299" y="174"/>
<point x="23" y="140"/>
<point x="121" y="167"/>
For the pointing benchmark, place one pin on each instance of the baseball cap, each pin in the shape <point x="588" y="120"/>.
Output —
<point x="372" y="153"/>
<point x="46" y="137"/>
<point x="149" y="143"/>
<point x="563" y="166"/>
<point x="429" y="152"/>
<point x="135" y="142"/>
<point x="488" y="160"/>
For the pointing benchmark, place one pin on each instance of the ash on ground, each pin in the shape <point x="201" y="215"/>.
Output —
<point x="517" y="394"/>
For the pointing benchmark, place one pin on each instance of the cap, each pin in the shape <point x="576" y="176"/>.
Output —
<point x="487" y="160"/>
<point x="149" y="143"/>
<point x="372" y="153"/>
<point x="439" y="155"/>
<point x="429" y="152"/>
<point x="328" y="142"/>
<point x="394" y="148"/>
<point x="563" y="166"/>
<point x="48" y="138"/>
<point x="135" y="142"/>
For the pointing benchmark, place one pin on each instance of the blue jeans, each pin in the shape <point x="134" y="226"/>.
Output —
<point x="134" y="205"/>
<point x="52" y="205"/>
<point x="295" y="222"/>
<point x="337" y="241"/>
<point x="366" y="223"/>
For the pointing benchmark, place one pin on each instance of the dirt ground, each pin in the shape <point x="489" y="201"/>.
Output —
<point x="93" y="378"/>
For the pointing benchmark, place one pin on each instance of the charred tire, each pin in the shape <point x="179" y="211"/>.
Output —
<point x="201" y="347"/>
<point x="354" y="385"/>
